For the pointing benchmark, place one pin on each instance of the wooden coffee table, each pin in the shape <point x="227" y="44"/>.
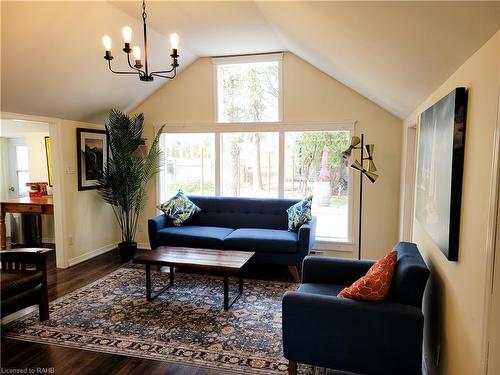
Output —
<point x="225" y="262"/>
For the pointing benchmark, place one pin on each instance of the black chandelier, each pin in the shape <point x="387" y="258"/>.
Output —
<point x="144" y="74"/>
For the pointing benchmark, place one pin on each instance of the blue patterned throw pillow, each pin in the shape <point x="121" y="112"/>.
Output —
<point x="179" y="208"/>
<point x="299" y="213"/>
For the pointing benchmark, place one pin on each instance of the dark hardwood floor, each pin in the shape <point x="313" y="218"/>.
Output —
<point x="16" y="354"/>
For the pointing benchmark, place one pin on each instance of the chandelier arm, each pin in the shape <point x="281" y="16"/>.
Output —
<point x="164" y="71"/>
<point x="141" y="72"/>
<point x="117" y="72"/>
<point x="162" y="76"/>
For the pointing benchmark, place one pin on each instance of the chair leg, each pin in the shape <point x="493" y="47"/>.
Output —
<point x="292" y="368"/>
<point x="294" y="270"/>
<point x="43" y="306"/>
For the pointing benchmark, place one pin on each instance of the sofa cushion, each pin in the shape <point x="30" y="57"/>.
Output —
<point x="193" y="236"/>
<point x="15" y="282"/>
<point x="299" y="213"/>
<point x="262" y="240"/>
<point x="179" y="208"/>
<point x="375" y="285"/>
<point x="322" y="289"/>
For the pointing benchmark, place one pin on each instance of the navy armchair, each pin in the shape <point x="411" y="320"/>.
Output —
<point x="323" y="330"/>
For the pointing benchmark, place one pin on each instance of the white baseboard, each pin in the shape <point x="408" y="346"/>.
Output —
<point x="92" y="254"/>
<point x="143" y="245"/>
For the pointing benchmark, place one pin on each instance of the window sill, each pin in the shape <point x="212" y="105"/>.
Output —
<point x="324" y="244"/>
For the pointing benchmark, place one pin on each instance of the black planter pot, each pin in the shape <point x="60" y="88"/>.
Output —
<point x="127" y="250"/>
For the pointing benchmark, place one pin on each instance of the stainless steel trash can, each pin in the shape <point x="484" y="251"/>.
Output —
<point x="23" y="229"/>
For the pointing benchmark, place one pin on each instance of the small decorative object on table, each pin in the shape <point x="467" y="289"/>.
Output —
<point x="37" y="189"/>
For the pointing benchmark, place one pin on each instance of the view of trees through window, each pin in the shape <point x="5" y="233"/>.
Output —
<point x="248" y="92"/>
<point x="250" y="164"/>
<point x="313" y="166"/>
<point x="189" y="164"/>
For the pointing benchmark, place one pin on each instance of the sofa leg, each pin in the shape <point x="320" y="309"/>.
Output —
<point x="294" y="270"/>
<point x="292" y="368"/>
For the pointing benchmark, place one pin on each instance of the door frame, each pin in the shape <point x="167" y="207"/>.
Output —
<point x="409" y="178"/>
<point x="492" y="246"/>
<point x="58" y="188"/>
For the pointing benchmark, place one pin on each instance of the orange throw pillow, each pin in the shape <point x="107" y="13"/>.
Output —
<point x="375" y="285"/>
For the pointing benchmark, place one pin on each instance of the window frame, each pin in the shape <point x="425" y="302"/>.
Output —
<point x="322" y="243"/>
<point x="248" y="59"/>
<point x="18" y="170"/>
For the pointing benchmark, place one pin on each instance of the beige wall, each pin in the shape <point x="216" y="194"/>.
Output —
<point x="36" y="156"/>
<point x="308" y="95"/>
<point x="455" y="296"/>
<point x="89" y="224"/>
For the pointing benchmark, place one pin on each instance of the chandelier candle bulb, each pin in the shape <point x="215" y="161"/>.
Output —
<point x="137" y="52"/>
<point x="127" y="34"/>
<point x="106" y="41"/>
<point x="174" y="41"/>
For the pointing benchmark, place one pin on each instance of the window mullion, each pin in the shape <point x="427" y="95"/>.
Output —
<point x="281" y="165"/>
<point x="218" y="163"/>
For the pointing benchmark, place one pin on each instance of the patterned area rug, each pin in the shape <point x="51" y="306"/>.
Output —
<point x="186" y="324"/>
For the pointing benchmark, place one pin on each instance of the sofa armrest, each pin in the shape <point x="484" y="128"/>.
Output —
<point x="357" y="336"/>
<point x="329" y="270"/>
<point x="306" y="236"/>
<point x="154" y="225"/>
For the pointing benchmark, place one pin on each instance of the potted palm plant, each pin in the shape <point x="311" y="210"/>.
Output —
<point x="124" y="179"/>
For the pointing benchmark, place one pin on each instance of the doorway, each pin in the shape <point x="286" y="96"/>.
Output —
<point x="409" y="183"/>
<point x="29" y="174"/>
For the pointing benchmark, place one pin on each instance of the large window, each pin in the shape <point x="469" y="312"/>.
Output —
<point x="313" y="166"/>
<point x="189" y="164"/>
<point x="288" y="163"/>
<point x="22" y="170"/>
<point x="250" y="164"/>
<point x="248" y="88"/>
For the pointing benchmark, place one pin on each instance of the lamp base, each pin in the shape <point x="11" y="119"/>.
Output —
<point x="146" y="78"/>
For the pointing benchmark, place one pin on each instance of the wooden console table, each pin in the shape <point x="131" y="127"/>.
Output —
<point x="36" y="206"/>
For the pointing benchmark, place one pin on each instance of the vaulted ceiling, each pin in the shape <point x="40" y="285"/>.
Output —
<point x="394" y="53"/>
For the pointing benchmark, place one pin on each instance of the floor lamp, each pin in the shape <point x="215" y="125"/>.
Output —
<point x="358" y="143"/>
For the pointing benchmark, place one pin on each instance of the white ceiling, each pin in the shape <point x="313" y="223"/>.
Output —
<point x="17" y="128"/>
<point x="394" y="53"/>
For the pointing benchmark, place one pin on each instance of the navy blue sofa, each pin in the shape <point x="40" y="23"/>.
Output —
<point x="249" y="224"/>
<point x="321" y="329"/>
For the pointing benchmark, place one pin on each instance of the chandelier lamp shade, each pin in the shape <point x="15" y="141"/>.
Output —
<point x="366" y="154"/>
<point x="140" y="67"/>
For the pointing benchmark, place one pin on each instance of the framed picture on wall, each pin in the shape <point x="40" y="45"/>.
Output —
<point x="92" y="156"/>
<point x="48" y="154"/>
<point x="440" y="169"/>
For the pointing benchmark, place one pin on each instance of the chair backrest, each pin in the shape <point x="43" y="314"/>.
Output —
<point x="231" y="212"/>
<point x="410" y="276"/>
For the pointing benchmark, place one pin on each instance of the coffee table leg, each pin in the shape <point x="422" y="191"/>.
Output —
<point x="228" y="304"/>
<point x="149" y="288"/>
